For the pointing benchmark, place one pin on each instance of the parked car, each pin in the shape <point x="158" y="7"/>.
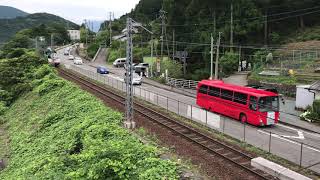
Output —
<point x="102" y="70"/>
<point x="77" y="61"/>
<point x="143" y="64"/>
<point x="119" y="62"/>
<point x="137" y="80"/>
<point x="71" y="57"/>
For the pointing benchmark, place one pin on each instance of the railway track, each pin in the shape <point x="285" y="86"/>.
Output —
<point x="191" y="134"/>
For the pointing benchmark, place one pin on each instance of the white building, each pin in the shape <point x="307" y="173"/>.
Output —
<point x="74" y="35"/>
<point x="306" y="94"/>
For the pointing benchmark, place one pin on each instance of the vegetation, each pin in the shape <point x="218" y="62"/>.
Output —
<point x="17" y="74"/>
<point x="66" y="133"/>
<point x="9" y="27"/>
<point x="193" y="22"/>
<point x="313" y="113"/>
<point x="7" y="12"/>
<point x="57" y="131"/>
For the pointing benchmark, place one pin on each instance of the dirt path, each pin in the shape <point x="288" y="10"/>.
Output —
<point x="239" y="78"/>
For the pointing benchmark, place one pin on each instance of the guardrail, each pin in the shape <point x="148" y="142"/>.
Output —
<point x="182" y="83"/>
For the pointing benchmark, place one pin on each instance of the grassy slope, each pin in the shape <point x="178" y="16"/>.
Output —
<point x="58" y="131"/>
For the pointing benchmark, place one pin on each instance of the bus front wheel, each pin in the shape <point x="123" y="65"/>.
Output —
<point x="243" y="118"/>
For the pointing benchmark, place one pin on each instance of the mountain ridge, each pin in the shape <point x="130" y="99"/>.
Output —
<point x="8" y="12"/>
<point x="11" y="26"/>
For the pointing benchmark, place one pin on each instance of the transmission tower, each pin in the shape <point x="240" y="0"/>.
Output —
<point x="129" y="122"/>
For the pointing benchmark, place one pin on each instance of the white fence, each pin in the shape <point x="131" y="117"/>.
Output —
<point x="182" y="83"/>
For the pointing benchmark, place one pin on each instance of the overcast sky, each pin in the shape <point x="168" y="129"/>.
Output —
<point x="75" y="10"/>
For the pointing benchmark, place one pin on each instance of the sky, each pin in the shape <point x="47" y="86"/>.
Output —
<point x="75" y="10"/>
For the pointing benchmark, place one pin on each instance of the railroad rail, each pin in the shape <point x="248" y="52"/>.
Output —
<point x="191" y="134"/>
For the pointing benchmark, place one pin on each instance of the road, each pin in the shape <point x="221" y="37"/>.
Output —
<point x="283" y="141"/>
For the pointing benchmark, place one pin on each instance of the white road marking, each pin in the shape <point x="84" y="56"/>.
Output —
<point x="301" y="136"/>
<point x="284" y="139"/>
<point x="312" y="134"/>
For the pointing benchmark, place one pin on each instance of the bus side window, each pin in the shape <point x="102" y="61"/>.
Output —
<point x="213" y="91"/>
<point x="253" y="103"/>
<point x="203" y="89"/>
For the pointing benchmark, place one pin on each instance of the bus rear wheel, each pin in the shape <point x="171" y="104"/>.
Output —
<point x="243" y="118"/>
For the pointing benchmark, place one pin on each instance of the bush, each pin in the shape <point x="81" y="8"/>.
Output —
<point x="49" y="85"/>
<point x="43" y="71"/>
<point x="16" y="53"/>
<point x="316" y="107"/>
<point x="229" y="63"/>
<point x="200" y="74"/>
<point x="113" y="55"/>
<point x="93" y="49"/>
<point x="3" y="108"/>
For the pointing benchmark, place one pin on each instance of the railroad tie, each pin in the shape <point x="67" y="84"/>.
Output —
<point x="236" y="158"/>
<point x="226" y="154"/>
<point x="219" y="149"/>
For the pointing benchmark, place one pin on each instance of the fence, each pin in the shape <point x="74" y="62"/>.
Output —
<point x="182" y="83"/>
<point x="302" y="154"/>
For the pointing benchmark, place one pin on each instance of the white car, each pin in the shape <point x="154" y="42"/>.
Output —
<point x="119" y="62"/>
<point x="137" y="80"/>
<point x="71" y="57"/>
<point x="77" y="61"/>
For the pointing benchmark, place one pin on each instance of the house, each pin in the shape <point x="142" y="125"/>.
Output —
<point x="74" y="35"/>
<point x="306" y="94"/>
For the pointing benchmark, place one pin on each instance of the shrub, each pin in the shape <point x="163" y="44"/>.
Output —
<point x="43" y="71"/>
<point x="316" y="107"/>
<point x="229" y="63"/>
<point x="3" y="108"/>
<point x="50" y="85"/>
<point x="92" y="49"/>
<point x="16" y="53"/>
<point x="113" y="55"/>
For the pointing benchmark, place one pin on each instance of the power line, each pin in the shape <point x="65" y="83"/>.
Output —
<point x="252" y="18"/>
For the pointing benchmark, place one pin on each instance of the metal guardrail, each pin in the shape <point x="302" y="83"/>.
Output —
<point x="182" y="83"/>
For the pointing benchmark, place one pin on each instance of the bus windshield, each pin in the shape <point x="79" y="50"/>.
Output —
<point x="269" y="104"/>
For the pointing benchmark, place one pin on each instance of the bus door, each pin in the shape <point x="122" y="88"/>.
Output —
<point x="202" y="96"/>
<point x="253" y="106"/>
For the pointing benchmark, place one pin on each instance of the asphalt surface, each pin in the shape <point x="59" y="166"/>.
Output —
<point x="284" y="141"/>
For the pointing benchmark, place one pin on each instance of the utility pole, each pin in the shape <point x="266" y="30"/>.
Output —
<point x="214" y="23"/>
<point x="231" y="27"/>
<point x="240" y="64"/>
<point x="36" y="39"/>
<point x="110" y="26"/>
<point x="211" y="74"/>
<point x="173" y="44"/>
<point x="266" y="29"/>
<point x="129" y="123"/>
<point x="217" y="58"/>
<point x="151" y="57"/>
<point x="163" y="17"/>
<point x="85" y="25"/>
<point x="52" y="41"/>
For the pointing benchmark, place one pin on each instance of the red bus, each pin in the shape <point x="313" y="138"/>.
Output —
<point x="249" y="105"/>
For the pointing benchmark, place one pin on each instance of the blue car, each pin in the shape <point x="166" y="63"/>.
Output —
<point x="102" y="70"/>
